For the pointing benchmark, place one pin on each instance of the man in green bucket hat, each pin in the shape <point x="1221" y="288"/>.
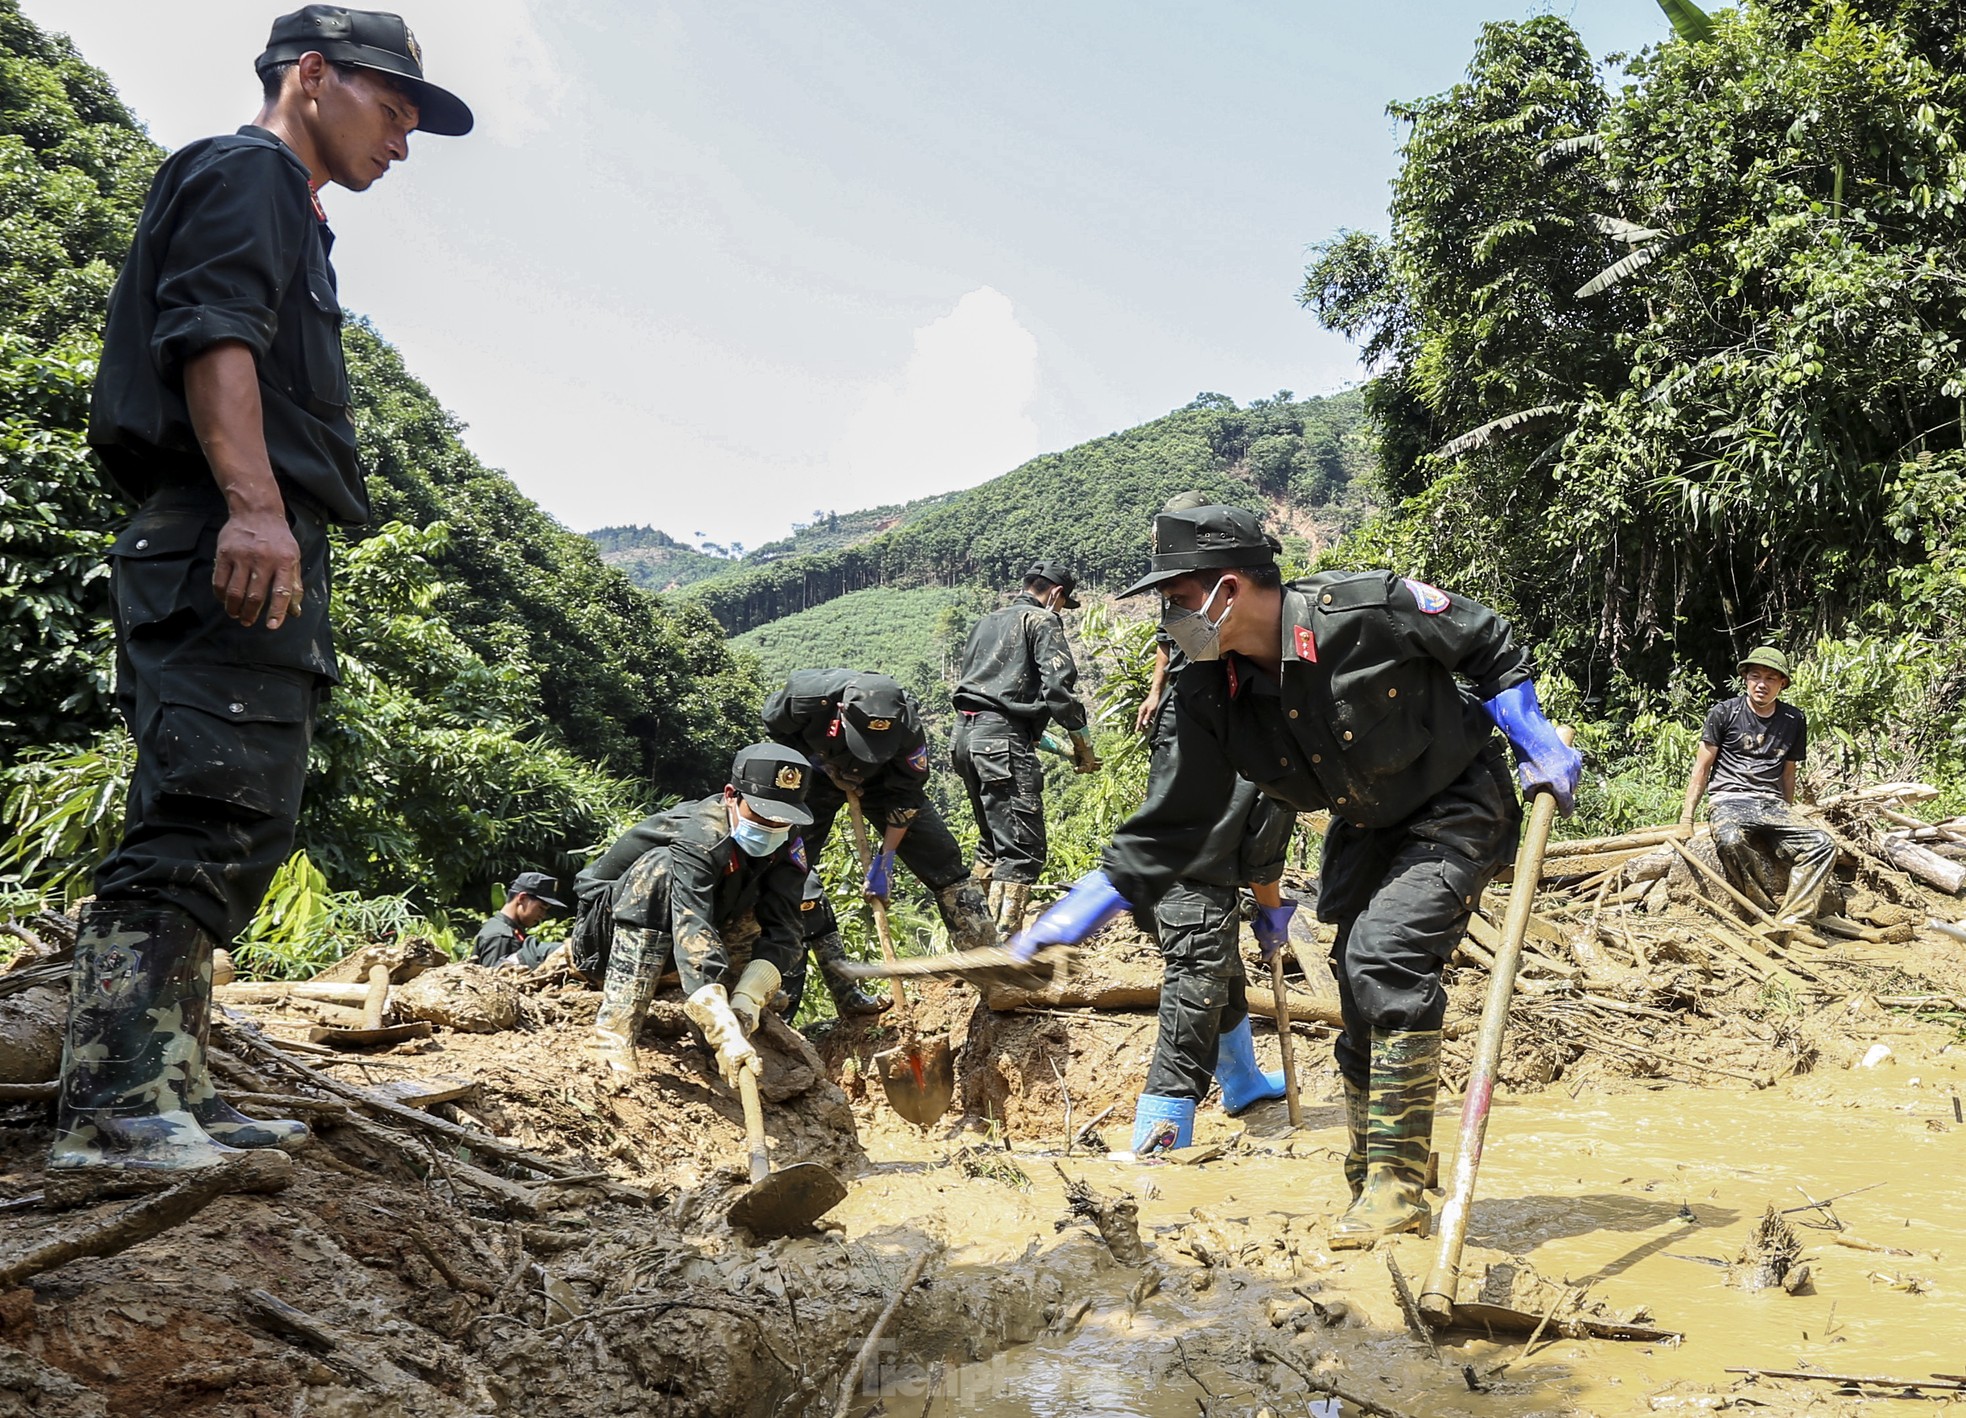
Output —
<point x="1750" y="751"/>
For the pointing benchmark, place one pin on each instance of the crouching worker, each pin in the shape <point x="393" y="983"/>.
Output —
<point x="1750" y="750"/>
<point x="1341" y="693"/>
<point x="1204" y="1009"/>
<point x="714" y="874"/>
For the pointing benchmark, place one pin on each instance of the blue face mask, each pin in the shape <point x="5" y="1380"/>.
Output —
<point x="755" y="838"/>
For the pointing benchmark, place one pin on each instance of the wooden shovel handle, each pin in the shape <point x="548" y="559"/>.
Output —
<point x="904" y="1008"/>
<point x="1283" y="1038"/>
<point x="754" y="1126"/>
<point x="1437" y="1299"/>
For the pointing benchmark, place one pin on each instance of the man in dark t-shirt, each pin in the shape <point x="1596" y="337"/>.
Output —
<point x="1750" y="750"/>
<point x="507" y="939"/>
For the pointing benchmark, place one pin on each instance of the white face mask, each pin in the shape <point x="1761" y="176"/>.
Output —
<point x="1192" y="632"/>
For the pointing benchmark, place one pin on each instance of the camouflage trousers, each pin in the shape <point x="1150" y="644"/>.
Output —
<point x="1202" y="992"/>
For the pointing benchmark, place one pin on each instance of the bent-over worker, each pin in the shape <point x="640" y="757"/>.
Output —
<point x="1750" y="749"/>
<point x="713" y="876"/>
<point x="1018" y="675"/>
<point x="221" y="408"/>
<point x="864" y="733"/>
<point x="1340" y="693"/>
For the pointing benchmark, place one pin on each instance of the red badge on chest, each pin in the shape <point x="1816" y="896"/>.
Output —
<point x="1306" y="644"/>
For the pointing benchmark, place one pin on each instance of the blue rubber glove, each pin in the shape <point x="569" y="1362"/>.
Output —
<point x="1087" y="908"/>
<point x="1543" y="761"/>
<point x="1272" y="927"/>
<point x="880" y="876"/>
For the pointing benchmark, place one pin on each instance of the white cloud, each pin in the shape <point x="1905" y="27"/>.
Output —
<point x="959" y="413"/>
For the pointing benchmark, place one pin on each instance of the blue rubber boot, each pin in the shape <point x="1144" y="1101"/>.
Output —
<point x="1160" y="1124"/>
<point x="1242" y="1082"/>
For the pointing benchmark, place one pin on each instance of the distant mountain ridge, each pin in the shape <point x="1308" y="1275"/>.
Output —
<point x="1304" y="463"/>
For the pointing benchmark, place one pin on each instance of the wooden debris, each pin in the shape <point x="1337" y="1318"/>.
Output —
<point x="375" y="1008"/>
<point x="1117" y="1221"/>
<point x="406" y="960"/>
<point x="1922" y="862"/>
<point x="106" y="1233"/>
<point x="276" y="1316"/>
<point x="1949" y="1385"/>
<point x="872" y="1342"/>
<point x="366" y="1038"/>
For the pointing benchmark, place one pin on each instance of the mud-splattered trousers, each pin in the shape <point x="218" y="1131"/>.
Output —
<point x="998" y="764"/>
<point x="222" y="714"/>
<point x="1747" y="824"/>
<point x="1366" y="719"/>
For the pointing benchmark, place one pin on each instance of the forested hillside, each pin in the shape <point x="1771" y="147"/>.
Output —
<point x="1670" y="364"/>
<point x="1090" y="506"/>
<point x="653" y="559"/>
<point x="915" y="634"/>
<point x="507" y="696"/>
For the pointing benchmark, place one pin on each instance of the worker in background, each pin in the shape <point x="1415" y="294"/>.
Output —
<point x="1750" y="749"/>
<point x="864" y="733"/>
<point x="506" y="939"/>
<point x="1340" y="693"/>
<point x="1018" y="675"/>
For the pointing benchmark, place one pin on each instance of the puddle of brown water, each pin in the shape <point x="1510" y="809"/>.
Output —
<point x="1616" y="1189"/>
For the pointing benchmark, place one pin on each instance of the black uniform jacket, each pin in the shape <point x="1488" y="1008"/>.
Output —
<point x="229" y="247"/>
<point x="1017" y="664"/>
<point x="689" y="880"/>
<point x="499" y="939"/>
<point x="1368" y="722"/>
<point x="1247" y="847"/>
<point x="804" y="715"/>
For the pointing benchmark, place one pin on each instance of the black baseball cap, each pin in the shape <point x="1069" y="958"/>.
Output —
<point x="873" y="714"/>
<point x="539" y="884"/>
<point x="1203" y="538"/>
<point x="773" y="780"/>
<point x="1058" y="574"/>
<point x="367" y="39"/>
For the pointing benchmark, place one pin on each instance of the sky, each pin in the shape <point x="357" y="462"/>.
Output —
<point x="715" y="266"/>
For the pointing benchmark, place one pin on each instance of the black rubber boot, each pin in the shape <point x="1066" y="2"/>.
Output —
<point x="220" y="1120"/>
<point x="849" y="1000"/>
<point x="129" y="1051"/>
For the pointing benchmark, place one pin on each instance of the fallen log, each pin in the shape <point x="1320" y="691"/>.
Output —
<point x="106" y="1233"/>
<point x="272" y="991"/>
<point x="1922" y="862"/>
<point x="1646" y="837"/>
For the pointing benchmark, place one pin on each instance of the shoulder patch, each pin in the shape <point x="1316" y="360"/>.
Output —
<point x="1429" y="599"/>
<point x="1306" y="644"/>
<point x="918" y="760"/>
<point x="798" y="853"/>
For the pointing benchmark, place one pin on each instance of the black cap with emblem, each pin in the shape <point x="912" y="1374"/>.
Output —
<point x="1058" y="574"/>
<point x="1202" y="539"/>
<point x="873" y="712"/>
<point x="774" y="780"/>
<point x="539" y="884"/>
<point x="367" y="39"/>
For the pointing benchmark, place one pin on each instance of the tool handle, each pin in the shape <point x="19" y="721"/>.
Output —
<point x="754" y="1125"/>
<point x="1437" y="1298"/>
<point x="1283" y="1038"/>
<point x="904" y="1007"/>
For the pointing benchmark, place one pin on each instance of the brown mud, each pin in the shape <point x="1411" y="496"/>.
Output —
<point x="1636" y="1170"/>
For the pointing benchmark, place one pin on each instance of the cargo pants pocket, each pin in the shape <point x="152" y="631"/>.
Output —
<point x="236" y="735"/>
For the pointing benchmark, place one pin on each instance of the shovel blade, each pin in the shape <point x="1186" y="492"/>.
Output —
<point x="920" y="1082"/>
<point x="788" y="1201"/>
<point x="991" y="966"/>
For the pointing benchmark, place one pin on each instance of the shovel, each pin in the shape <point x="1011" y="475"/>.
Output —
<point x="919" y="1078"/>
<point x="787" y="1201"/>
<point x="1437" y="1299"/>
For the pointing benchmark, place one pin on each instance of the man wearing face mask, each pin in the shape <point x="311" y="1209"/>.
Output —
<point x="1342" y="693"/>
<point x="1018" y="675"/>
<point x="705" y="877"/>
<point x="863" y="731"/>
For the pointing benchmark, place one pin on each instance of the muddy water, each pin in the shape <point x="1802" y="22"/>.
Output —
<point x="1631" y="1192"/>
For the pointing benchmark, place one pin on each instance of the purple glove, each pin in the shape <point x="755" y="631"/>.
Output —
<point x="1087" y="908"/>
<point x="1272" y="927"/>
<point x="880" y="876"/>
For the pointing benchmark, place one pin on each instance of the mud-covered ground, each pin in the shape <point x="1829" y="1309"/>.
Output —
<point x="1634" y="1168"/>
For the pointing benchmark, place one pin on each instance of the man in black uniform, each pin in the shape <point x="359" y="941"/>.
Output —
<point x="1018" y="675"/>
<point x="221" y="407"/>
<point x="506" y="938"/>
<point x="1339" y="693"/>
<point x="863" y="731"/>
<point x="707" y="879"/>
